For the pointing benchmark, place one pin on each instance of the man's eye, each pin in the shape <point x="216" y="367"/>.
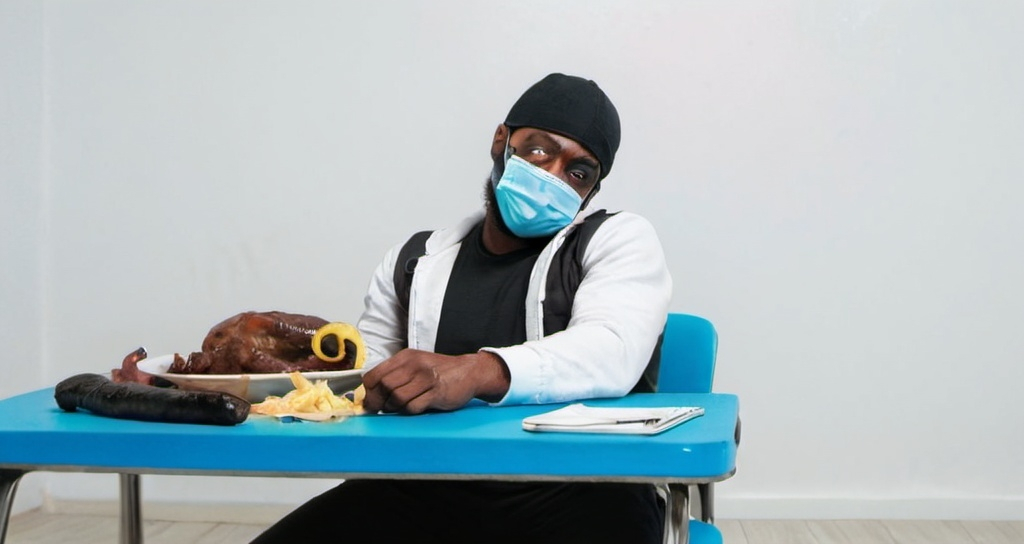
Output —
<point x="538" y="151"/>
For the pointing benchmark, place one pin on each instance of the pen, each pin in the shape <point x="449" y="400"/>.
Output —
<point x="645" y="421"/>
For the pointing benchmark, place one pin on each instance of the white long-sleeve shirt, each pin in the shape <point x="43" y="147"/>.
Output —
<point x="618" y="312"/>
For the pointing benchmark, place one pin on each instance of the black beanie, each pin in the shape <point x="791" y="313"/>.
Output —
<point x="573" y="107"/>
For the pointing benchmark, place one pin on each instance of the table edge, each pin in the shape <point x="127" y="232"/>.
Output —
<point x="26" y="468"/>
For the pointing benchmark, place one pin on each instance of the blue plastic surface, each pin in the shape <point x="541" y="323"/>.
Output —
<point x="688" y="353"/>
<point x="704" y="533"/>
<point x="473" y="442"/>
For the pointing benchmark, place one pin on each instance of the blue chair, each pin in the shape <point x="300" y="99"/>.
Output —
<point x="688" y="350"/>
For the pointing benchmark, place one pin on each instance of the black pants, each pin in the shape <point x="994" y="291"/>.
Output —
<point x="453" y="512"/>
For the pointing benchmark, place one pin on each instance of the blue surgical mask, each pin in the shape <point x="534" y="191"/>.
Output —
<point x="532" y="201"/>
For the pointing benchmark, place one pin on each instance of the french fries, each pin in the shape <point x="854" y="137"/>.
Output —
<point x="314" y="401"/>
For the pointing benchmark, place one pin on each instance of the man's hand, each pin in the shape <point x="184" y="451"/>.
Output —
<point x="414" y="381"/>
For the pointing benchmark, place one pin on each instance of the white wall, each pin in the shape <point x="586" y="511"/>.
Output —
<point x="23" y="212"/>
<point x="837" y="184"/>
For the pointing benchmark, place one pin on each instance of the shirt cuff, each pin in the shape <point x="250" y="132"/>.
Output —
<point x="529" y="375"/>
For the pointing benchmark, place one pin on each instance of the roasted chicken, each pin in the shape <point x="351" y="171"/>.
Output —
<point x="263" y="343"/>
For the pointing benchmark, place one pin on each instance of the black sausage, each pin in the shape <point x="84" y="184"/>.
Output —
<point x="130" y="400"/>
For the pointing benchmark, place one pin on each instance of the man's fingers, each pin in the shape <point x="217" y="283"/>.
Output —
<point x="372" y="377"/>
<point x="373" y="401"/>
<point x="379" y="386"/>
<point x="420" y="404"/>
<point x="413" y="382"/>
<point x="413" y="398"/>
<point x="393" y="388"/>
<point x="399" y="362"/>
<point x="419" y="387"/>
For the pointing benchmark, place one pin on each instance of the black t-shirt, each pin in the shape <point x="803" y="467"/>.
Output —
<point x="485" y="302"/>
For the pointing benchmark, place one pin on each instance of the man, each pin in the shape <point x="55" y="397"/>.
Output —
<point x="540" y="298"/>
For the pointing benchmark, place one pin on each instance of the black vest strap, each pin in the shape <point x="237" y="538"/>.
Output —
<point x="408" y="256"/>
<point x="566" y="273"/>
<point x="564" y="278"/>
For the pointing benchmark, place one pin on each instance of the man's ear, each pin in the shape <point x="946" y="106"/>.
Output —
<point x="498" y="144"/>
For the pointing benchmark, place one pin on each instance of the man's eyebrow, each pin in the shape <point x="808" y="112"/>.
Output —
<point x="553" y="143"/>
<point x="587" y="161"/>
<point x="546" y="139"/>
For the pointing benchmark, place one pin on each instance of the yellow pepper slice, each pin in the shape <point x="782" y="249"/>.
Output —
<point x="341" y="331"/>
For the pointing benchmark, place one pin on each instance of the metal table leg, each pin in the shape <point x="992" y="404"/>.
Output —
<point x="706" y="493"/>
<point x="8" y="485"/>
<point x="677" y="514"/>
<point x="131" y="511"/>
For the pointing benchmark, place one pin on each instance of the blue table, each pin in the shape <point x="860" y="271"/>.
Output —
<point x="476" y="442"/>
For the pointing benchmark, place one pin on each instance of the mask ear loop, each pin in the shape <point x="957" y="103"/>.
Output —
<point x="590" y="195"/>
<point x="508" y="148"/>
<point x="495" y="176"/>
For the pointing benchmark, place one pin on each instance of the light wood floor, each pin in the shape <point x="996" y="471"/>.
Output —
<point x="37" y="527"/>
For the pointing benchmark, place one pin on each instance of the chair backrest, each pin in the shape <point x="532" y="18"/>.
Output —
<point x="688" y="352"/>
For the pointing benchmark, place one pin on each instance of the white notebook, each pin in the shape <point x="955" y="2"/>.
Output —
<point x="579" y="418"/>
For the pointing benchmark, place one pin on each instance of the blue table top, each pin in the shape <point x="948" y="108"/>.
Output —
<point x="474" y="442"/>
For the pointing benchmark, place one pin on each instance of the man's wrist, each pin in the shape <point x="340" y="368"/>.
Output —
<point x="496" y="376"/>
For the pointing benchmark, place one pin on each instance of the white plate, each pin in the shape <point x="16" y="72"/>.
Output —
<point x="252" y="387"/>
